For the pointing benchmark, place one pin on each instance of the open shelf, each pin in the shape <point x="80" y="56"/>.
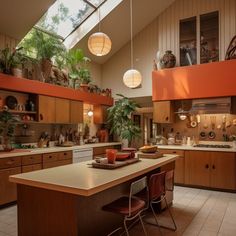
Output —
<point x="21" y="112"/>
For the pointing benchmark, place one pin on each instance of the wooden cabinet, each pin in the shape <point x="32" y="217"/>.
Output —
<point x="100" y="114"/>
<point x="163" y="112"/>
<point x="57" y="159"/>
<point x="76" y="112"/>
<point x="8" y="189"/>
<point x="62" y="111"/>
<point x="210" y="169"/>
<point x="46" y="109"/>
<point x="30" y="168"/>
<point x="179" y="164"/>
<point x="9" y="162"/>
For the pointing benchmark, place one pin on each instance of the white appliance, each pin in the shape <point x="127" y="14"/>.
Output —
<point x="82" y="154"/>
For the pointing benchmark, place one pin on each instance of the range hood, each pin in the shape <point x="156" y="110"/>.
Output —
<point x="211" y="106"/>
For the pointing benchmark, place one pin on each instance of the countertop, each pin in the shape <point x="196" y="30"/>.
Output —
<point x="24" y="152"/>
<point x="188" y="148"/>
<point x="82" y="179"/>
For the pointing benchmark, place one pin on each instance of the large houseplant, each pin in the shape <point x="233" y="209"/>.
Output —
<point x="43" y="47"/>
<point x="119" y="118"/>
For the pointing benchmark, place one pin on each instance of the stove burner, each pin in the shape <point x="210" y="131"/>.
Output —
<point x="213" y="145"/>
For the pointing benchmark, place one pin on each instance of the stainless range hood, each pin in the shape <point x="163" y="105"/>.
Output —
<point x="211" y="106"/>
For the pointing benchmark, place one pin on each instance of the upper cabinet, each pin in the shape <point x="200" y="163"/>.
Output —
<point x="46" y="109"/>
<point x="76" y="112"/>
<point x="99" y="114"/>
<point x="163" y="112"/>
<point x="62" y="111"/>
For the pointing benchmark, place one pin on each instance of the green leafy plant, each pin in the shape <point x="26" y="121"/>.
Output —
<point x="76" y="63"/>
<point x="119" y="119"/>
<point x="41" y="45"/>
<point x="11" y="59"/>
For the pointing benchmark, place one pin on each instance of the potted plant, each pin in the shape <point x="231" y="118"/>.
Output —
<point x="76" y="61"/>
<point x="43" y="47"/>
<point x="119" y="119"/>
<point x="84" y="78"/>
<point x="7" y="128"/>
<point x="11" y="61"/>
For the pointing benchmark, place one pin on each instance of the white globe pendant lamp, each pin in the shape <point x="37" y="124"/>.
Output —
<point x="132" y="78"/>
<point x="99" y="44"/>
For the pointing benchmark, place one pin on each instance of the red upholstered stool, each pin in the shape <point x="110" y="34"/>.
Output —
<point x="130" y="206"/>
<point x="157" y="193"/>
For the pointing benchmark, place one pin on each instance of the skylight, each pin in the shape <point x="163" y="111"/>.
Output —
<point x="64" y="16"/>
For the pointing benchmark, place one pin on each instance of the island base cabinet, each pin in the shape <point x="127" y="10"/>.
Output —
<point x="210" y="169"/>
<point x="8" y="189"/>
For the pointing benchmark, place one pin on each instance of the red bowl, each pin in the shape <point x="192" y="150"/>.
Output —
<point x="121" y="156"/>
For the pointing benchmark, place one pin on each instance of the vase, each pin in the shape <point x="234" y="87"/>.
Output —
<point x="168" y="60"/>
<point x="17" y="72"/>
<point x="46" y="66"/>
<point x="84" y="87"/>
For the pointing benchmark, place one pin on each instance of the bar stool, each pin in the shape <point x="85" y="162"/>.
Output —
<point x="130" y="206"/>
<point x="157" y="193"/>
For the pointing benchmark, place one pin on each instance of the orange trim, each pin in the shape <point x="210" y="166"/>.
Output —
<point x="215" y="79"/>
<point x="12" y="83"/>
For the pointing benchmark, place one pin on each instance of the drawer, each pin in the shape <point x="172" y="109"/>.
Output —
<point x="64" y="155"/>
<point x="30" y="168"/>
<point x="10" y="162"/>
<point x="172" y="151"/>
<point x="31" y="159"/>
<point x="50" y="157"/>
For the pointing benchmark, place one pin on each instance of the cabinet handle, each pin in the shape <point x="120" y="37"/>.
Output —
<point x="213" y="167"/>
<point x="167" y="118"/>
<point x="174" y="152"/>
<point x="65" y="153"/>
<point x="41" y="116"/>
<point x="50" y="156"/>
<point x="207" y="166"/>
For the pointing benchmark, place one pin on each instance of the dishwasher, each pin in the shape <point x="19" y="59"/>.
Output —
<point x="82" y="154"/>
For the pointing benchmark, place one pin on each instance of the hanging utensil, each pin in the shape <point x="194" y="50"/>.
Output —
<point x="198" y="117"/>
<point x="211" y="135"/>
<point x="223" y="122"/>
<point x="213" y="122"/>
<point x="205" y="125"/>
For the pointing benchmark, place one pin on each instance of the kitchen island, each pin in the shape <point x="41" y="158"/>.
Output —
<point x="67" y="200"/>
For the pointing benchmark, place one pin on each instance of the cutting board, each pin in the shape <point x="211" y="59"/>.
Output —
<point x="117" y="164"/>
<point x="150" y="155"/>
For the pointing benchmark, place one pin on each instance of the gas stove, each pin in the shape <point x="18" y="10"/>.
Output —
<point x="213" y="145"/>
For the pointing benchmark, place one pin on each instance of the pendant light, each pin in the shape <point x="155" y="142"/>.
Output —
<point x="99" y="43"/>
<point x="132" y="78"/>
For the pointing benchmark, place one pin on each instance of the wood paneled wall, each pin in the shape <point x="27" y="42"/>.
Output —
<point x="168" y="22"/>
<point x="7" y="41"/>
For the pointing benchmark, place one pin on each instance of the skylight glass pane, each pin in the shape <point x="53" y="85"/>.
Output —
<point x="96" y="3"/>
<point x="64" y="16"/>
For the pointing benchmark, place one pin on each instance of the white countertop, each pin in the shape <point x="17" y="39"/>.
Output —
<point x="82" y="179"/>
<point x="24" y="152"/>
<point x="188" y="148"/>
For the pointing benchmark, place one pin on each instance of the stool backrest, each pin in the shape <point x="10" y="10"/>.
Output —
<point x="157" y="185"/>
<point x="137" y="187"/>
<point x="170" y="180"/>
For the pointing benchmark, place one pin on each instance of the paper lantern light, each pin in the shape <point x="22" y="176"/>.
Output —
<point x="99" y="44"/>
<point x="132" y="78"/>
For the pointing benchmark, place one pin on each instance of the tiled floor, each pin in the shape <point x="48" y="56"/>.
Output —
<point x="197" y="212"/>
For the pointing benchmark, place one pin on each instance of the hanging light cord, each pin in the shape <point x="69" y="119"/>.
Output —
<point x="131" y="34"/>
<point x="99" y="18"/>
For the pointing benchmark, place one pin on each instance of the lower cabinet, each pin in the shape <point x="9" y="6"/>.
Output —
<point x="210" y="169"/>
<point x="179" y="164"/>
<point x="8" y="189"/>
<point x="57" y="159"/>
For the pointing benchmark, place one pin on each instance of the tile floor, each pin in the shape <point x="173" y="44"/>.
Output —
<point x="196" y="211"/>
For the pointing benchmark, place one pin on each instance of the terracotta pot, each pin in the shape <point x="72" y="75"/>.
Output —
<point x="46" y="66"/>
<point x="84" y="87"/>
<point x="17" y="72"/>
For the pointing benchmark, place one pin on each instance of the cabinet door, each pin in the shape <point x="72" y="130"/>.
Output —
<point x="223" y="168"/>
<point x="8" y="189"/>
<point x="76" y="112"/>
<point x="197" y="168"/>
<point x="46" y="112"/>
<point x="62" y="110"/>
<point x="99" y="114"/>
<point x="163" y="112"/>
